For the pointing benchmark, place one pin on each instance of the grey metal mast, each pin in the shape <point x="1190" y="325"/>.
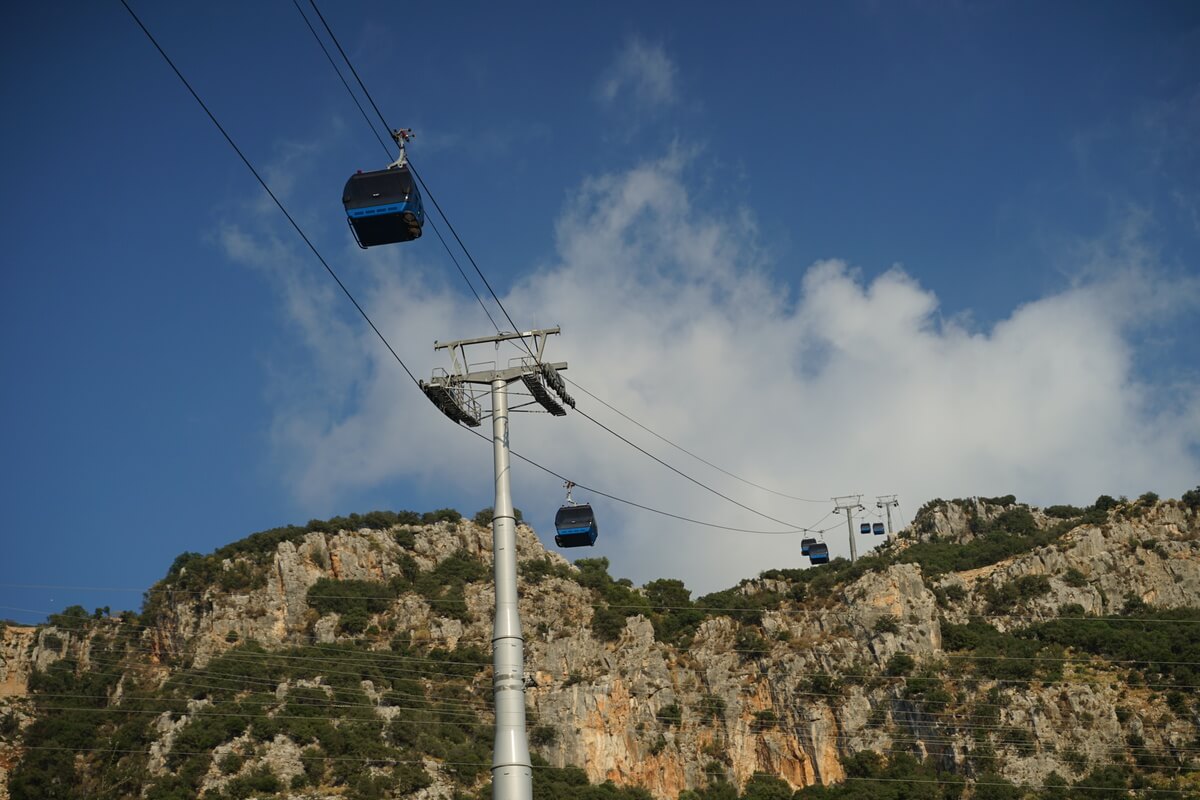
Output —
<point x="886" y="501"/>
<point x="849" y="503"/>
<point x="512" y="771"/>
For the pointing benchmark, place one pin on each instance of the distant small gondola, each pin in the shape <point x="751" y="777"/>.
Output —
<point x="805" y="544"/>
<point x="575" y="526"/>
<point x="864" y="528"/>
<point x="879" y="529"/>
<point x="818" y="553"/>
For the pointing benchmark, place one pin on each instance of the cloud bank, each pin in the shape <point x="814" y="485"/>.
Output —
<point x="814" y="381"/>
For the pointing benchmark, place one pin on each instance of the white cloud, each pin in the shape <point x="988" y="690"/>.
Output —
<point x="642" y="72"/>
<point x="835" y="385"/>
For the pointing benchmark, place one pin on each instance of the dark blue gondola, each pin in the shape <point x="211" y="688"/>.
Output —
<point x="879" y="530"/>
<point x="818" y="553"/>
<point x="805" y="544"/>
<point x="864" y="528"/>
<point x="575" y="526"/>
<point x="384" y="206"/>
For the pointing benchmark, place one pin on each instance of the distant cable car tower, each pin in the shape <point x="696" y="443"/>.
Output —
<point x="887" y="502"/>
<point x="850" y="503"/>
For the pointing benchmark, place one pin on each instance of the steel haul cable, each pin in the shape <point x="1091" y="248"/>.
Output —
<point x="333" y="274"/>
<point x="462" y="245"/>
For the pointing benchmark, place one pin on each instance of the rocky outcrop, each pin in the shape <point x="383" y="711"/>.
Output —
<point x="791" y="691"/>
<point x="1153" y="558"/>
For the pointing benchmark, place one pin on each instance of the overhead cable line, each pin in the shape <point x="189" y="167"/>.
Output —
<point x="382" y="144"/>
<point x="685" y="450"/>
<point x="186" y="680"/>
<point x="376" y="761"/>
<point x="723" y="609"/>
<point x="350" y="64"/>
<point x="420" y="180"/>
<point x="418" y="664"/>
<point x="634" y="504"/>
<point x="683" y="474"/>
<point x="516" y="328"/>
<point x="333" y="64"/>
<point x="325" y="264"/>
<point x="411" y="663"/>
<point x="267" y="188"/>
<point x="900" y="739"/>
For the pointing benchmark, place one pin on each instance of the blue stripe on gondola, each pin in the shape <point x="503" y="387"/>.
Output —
<point x="569" y="531"/>
<point x="374" y="211"/>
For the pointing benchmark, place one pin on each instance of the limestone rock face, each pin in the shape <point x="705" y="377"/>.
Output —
<point x="16" y="659"/>
<point x="791" y="690"/>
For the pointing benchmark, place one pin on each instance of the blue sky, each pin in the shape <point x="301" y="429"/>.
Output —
<point x="933" y="249"/>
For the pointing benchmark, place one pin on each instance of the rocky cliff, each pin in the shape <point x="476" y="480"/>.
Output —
<point x="990" y="643"/>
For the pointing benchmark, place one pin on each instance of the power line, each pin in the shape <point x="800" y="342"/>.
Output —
<point x="333" y="64"/>
<point x="682" y="474"/>
<point x="262" y="182"/>
<point x="634" y="504"/>
<point x="694" y="607"/>
<point x="349" y="295"/>
<point x="350" y="64"/>
<point x="1092" y="660"/>
<point x="470" y="258"/>
<point x="685" y="450"/>
<point x="379" y="761"/>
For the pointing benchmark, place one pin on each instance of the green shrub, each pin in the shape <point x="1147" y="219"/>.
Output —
<point x="766" y="718"/>
<point x="822" y="683"/>
<point x="441" y="515"/>
<point x="1063" y="512"/>
<point x="342" y="597"/>
<point x="1016" y="592"/>
<point x="543" y="735"/>
<point x="750" y="644"/>
<point x="672" y="614"/>
<point x="763" y="786"/>
<point x="536" y="570"/>
<point x="671" y="715"/>
<point x="1075" y="578"/>
<point x="710" y="706"/>
<point x="241" y="576"/>
<point x="230" y="763"/>
<point x="900" y="664"/>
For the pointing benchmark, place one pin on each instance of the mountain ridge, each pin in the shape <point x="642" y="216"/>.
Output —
<point x="789" y="677"/>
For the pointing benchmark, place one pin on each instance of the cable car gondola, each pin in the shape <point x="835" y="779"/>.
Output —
<point x="879" y="529"/>
<point x="384" y="206"/>
<point x="818" y="553"/>
<point x="864" y="528"/>
<point x="575" y="524"/>
<point x="805" y="545"/>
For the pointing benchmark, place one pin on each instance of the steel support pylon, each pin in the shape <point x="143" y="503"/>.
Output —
<point x="512" y="772"/>
<point x="849" y="503"/>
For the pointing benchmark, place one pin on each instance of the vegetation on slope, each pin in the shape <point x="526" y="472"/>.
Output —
<point x="366" y="740"/>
